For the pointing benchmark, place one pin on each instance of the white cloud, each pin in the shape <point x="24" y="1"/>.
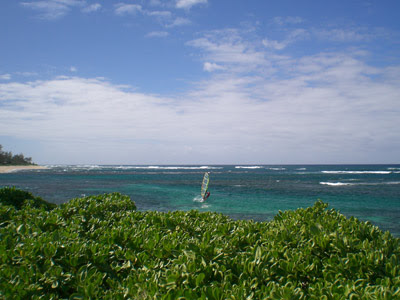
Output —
<point x="53" y="9"/>
<point x="339" y="35"/>
<point x="293" y="36"/>
<point x="179" y="22"/>
<point x="5" y="76"/>
<point x="92" y="8"/>
<point x="323" y="107"/>
<point x="328" y="107"/>
<point x="288" y="20"/>
<point x="274" y="44"/>
<point x="158" y="34"/>
<point x="73" y="69"/>
<point x="160" y="14"/>
<point x="71" y="111"/>
<point x="123" y="8"/>
<point x="228" y="49"/>
<point x="211" y="67"/>
<point x="189" y="3"/>
<point x="27" y="74"/>
<point x="343" y="35"/>
<point x="328" y="104"/>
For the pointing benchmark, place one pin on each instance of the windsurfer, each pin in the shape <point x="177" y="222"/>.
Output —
<point x="204" y="187"/>
<point x="206" y="195"/>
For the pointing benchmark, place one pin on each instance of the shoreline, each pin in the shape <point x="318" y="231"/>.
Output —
<point x="10" y="169"/>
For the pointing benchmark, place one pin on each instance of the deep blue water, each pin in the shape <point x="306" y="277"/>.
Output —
<point x="368" y="192"/>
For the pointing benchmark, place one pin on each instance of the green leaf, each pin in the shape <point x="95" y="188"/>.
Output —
<point x="200" y="278"/>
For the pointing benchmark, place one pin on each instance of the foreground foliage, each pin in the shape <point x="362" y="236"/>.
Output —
<point x="99" y="247"/>
<point x="18" y="198"/>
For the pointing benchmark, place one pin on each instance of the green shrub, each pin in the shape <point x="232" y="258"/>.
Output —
<point x="18" y="198"/>
<point x="102" y="248"/>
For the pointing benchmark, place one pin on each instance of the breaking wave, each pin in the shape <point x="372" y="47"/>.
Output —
<point x="356" y="172"/>
<point x="359" y="183"/>
<point x="336" y="183"/>
<point x="248" y="167"/>
<point x="171" y="167"/>
<point x="127" y="167"/>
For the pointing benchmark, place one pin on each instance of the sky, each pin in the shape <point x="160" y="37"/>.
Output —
<point x="200" y="81"/>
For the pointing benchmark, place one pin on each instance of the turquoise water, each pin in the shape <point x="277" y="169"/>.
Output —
<point x="368" y="192"/>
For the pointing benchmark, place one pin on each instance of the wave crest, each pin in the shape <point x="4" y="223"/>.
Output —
<point x="356" y="172"/>
<point x="248" y="167"/>
<point x="336" y="183"/>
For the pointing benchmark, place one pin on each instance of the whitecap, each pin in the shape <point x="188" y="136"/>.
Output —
<point x="198" y="199"/>
<point x="248" y="167"/>
<point x="359" y="183"/>
<point x="335" y="183"/>
<point x="177" y="167"/>
<point x="88" y="166"/>
<point x="356" y="172"/>
<point x="125" y="167"/>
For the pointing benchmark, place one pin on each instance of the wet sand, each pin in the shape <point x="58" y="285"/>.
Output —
<point x="9" y="169"/>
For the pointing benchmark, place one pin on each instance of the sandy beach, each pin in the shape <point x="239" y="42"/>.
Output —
<point x="9" y="169"/>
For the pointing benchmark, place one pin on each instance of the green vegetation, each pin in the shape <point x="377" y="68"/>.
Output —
<point x="7" y="158"/>
<point x="17" y="198"/>
<point x="100" y="247"/>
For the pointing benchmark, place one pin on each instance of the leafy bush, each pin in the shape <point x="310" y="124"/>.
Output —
<point x="102" y="248"/>
<point x="19" y="198"/>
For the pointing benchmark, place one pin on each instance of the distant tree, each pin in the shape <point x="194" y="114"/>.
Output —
<point x="7" y="158"/>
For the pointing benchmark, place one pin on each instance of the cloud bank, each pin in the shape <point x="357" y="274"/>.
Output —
<point x="321" y="112"/>
<point x="260" y="101"/>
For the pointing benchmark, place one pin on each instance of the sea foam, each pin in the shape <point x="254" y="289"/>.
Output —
<point x="169" y="167"/>
<point x="248" y="167"/>
<point x="356" y="172"/>
<point x="336" y="183"/>
<point x="359" y="183"/>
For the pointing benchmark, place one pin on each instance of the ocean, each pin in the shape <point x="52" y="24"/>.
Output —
<point x="258" y="192"/>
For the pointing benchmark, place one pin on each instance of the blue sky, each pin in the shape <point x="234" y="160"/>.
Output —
<point x="200" y="81"/>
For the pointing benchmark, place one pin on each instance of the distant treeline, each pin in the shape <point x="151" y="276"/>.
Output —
<point x="7" y="158"/>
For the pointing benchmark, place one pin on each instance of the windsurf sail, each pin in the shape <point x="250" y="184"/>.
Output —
<point x="204" y="185"/>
